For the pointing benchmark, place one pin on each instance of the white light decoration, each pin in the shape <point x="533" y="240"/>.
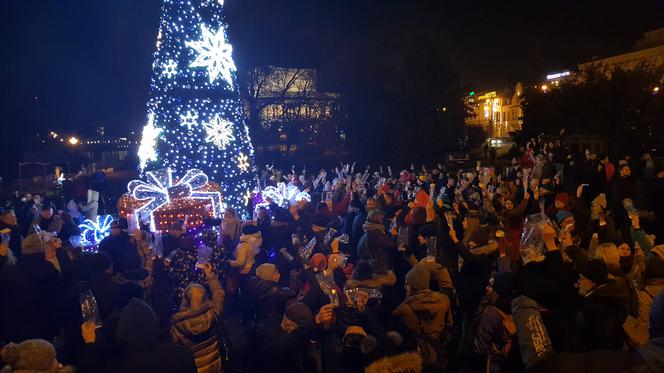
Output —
<point x="147" y="151"/>
<point x="243" y="162"/>
<point x="283" y="195"/>
<point x="160" y="190"/>
<point x="219" y="131"/>
<point x="92" y="232"/>
<point x="170" y="69"/>
<point x="199" y="121"/>
<point x="214" y="53"/>
<point x="189" y="120"/>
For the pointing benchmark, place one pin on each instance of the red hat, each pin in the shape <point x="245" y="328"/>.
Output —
<point x="562" y="197"/>
<point x="318" y="262"/>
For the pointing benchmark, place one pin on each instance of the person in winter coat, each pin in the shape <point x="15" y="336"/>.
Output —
<point x="8" y="221"/>
<point x="47" y="221"/>
<point x="424" y="311"/>
<point x="264" y="291"/>
<point x="538" y="354"/>
<point x="116" y="245"/>
<point x="69" y="228"/>
<point x="230" y="228"/>
<point x="249" y="245"/>
<point x="34" y="356"/>
<point x="196" y="325"/>
<point x="32" y="292"/>
<point x="602" y="315"/>
<point x="142" y="351"/>
<point x="375" y="244"/>
<point x="284" y="340"/>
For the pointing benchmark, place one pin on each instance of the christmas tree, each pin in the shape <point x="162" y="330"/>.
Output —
<point x="195" y="118"/>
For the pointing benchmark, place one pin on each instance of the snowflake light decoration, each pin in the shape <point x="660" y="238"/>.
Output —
<point x="243" y="162"/>
<point x="170" y="69"/>
<point x="219" y="131"/>
<point x="214" y="53"/>
<point x="283" y="195"/>
<point x="147" y="151"/>
<point x="189" y="120"/>
<point x="92" y="232"/>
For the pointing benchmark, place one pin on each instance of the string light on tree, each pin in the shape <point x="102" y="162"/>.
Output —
<point x="189" y="120"/>
<point x="219" y="132"/>
<point x="198" y="109"/>
<point x="243" y="162"/>
<point x="214" y="53"/>
<point x="170" y="69"/>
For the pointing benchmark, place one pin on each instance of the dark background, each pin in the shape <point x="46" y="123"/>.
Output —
<point x="75" y="65"/>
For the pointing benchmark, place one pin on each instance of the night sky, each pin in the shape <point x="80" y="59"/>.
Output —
<point x="75" y="65"/>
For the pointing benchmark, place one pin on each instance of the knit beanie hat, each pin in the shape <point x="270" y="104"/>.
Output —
<point x="503" y="284"/>
<point x="561" y="215"/>
<point x="418" y="278"/>
<point x="657" y="316"/>
<point x="30" y="355"/>
<point x="266" y="271"/>
<point x="318" y="262"/>
<point x="595" y="271"/>
<point x="299" y="313"/>
<point x="249" y="229"/>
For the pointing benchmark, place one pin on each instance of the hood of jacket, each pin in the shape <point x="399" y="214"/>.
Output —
<point x="138" y="325"/>
<point x="427" y="304"/>
<point x="192" y="322"/>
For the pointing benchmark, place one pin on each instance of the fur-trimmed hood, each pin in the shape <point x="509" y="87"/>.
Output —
<point x="407" y="362"/>
<point x="378" y="281"/>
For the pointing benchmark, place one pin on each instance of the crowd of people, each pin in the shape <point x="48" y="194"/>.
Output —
<point x="554" y="263"/>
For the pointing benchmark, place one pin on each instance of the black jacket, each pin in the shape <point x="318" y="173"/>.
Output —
<point x="281" y="351"/>
<point x="267" y="297"/>
<point x="32" y="294"/>
<point x="142" y="352"/>
<point x="116" y="247"/>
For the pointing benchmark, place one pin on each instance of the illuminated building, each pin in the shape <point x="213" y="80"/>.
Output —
<point x="647" y="51"/>
<point x="498" y="113"/>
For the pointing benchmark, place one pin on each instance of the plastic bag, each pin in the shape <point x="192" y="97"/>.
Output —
<point x="532" y="247"/>
<point x="89" y="308"/>
<point x="327" y="284"/>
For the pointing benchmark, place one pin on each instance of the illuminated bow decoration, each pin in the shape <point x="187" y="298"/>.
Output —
<point x="160" y="190"/>
<point x="92" y="232"/>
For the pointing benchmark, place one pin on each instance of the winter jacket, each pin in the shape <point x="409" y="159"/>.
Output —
<point x="143" y="353"/>
<point x="376" y="245"/>
<point x="600" y="319"/>
<point x="538" y="354"/>
<point x="426" y="312"/>
<point x="283" y="352"/>
<point x="32" y="292"/>
<point x="116" y="247"/>
<point x="268" y="297"/>
<point x="407" y="362"/>
<point x="197" y="329"/>
<point x="14" y="238"/>
<point x="244" y="252"/>
<point x="230" y="228"/>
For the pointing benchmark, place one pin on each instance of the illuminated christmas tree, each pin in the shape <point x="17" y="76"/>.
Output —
<point x="195" y="118"/>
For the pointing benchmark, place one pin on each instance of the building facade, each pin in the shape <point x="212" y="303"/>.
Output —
<point x="497" y="113"/>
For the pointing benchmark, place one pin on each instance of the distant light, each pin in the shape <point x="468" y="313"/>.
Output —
<point x="655" y="90"/>
<point x="444" y="109"/>
<point x="73" y="140"/>
<point x="544" y="87"/>
<point x="472" y="93"/>
<point x="557" y="75"/>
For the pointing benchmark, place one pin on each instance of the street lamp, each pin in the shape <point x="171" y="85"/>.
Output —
<point x="73" y="140"/>
<point x="544" y="88"/>
<point x="655" y="90"/>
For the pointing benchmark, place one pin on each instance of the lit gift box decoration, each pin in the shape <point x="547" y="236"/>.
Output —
<point x="161" y="200"/>
<point x="92" y="232"/>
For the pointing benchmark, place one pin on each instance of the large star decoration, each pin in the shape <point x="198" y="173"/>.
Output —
<point x="147" y="151"/>
<point x="214" y="53"/>
<point x="219" y="131"/>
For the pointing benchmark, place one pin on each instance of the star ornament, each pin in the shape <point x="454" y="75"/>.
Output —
<point x="243" y="162"/>
<point x="219" y="131"/>
<point x="170" y="69"/>
<point x="147" y="151"/>
<point x="214" y="53"/>
<point x="189" y="120"/>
